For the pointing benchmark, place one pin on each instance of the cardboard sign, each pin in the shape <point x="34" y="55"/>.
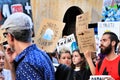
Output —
<point x="86" y="40"/>
<point x="8" y="7"/>
<point x="68" y="42"/>
<point x="48" y="34"/>
<point x="82" y="21"/>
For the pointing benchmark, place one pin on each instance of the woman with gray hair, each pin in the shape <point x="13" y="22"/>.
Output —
<point x="64" y="56"/>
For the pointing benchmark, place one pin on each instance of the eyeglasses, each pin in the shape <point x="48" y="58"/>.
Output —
<point x="5" y="34"/>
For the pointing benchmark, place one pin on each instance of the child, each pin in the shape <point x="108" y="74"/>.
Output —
<point x="4" y="73"/>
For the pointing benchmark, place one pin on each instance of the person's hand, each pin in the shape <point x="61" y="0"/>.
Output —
<point x="87" y="54"/>
<point x="10" y="54"/>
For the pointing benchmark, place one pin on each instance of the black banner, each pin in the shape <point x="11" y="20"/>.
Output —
<point x="7" y="7"/>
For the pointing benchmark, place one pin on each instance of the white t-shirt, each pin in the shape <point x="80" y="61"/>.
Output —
<point x="7" y="74"/>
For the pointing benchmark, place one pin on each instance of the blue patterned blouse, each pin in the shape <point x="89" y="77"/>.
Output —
<point x="33" y="64"/>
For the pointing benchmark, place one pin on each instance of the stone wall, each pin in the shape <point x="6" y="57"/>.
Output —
<point x="55" y="9"/>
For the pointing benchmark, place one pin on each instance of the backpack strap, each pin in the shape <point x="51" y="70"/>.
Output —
<point x="99" y="64"/>
<point x="119" y="68"/>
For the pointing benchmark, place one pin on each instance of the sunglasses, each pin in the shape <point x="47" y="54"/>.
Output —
<point x="5" y="34"/>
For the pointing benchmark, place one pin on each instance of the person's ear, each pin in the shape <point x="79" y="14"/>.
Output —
<point x="113" y="43"/>
<point x="11" y="37"/>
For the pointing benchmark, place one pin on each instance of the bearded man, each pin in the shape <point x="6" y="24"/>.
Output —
<point x="110" y="65"/>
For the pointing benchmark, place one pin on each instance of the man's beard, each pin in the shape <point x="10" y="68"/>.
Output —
<point x="107" y="50"/>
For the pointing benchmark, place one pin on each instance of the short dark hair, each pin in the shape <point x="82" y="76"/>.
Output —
<point x="23" y="35"/>
<point x="113" y="37"/>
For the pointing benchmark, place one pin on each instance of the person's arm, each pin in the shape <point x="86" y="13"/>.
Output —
<point x="12" y="71"/>
<point x="10" y="56"/>
<point x="87" y="55"/>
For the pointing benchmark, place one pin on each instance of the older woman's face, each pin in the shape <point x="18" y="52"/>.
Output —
<point x="65" y="58"/>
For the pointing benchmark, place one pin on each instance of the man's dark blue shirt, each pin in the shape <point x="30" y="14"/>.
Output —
<point x="33" y="64"/>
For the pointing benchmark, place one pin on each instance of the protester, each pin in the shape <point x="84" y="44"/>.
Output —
<point x="64" y="57"/>
<point x="110" y="65"/>
<point x="79" y="66"/>
<point x="9" y="60"/>
<point x="5" y="74"/>
<point x="29" y="61"/>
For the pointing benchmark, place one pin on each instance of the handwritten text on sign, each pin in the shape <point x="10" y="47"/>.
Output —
<point x="82" y="21"/>
<point x="44" y="42"/>
<point x="48" y="34"/>
<point x="86" y="40"/>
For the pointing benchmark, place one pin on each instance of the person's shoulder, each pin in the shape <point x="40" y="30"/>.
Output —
<point x="36" y="55"/>
<point x="36" y="51"/>
<point x="119" y="57"/>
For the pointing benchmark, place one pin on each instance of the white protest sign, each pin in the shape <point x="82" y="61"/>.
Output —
<point x="108" y="26"/>
<point x="100" y="77"/>
<point x="68" y="42"/>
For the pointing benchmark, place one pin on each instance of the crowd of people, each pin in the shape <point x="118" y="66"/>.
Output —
<point x="31" y="63"/>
